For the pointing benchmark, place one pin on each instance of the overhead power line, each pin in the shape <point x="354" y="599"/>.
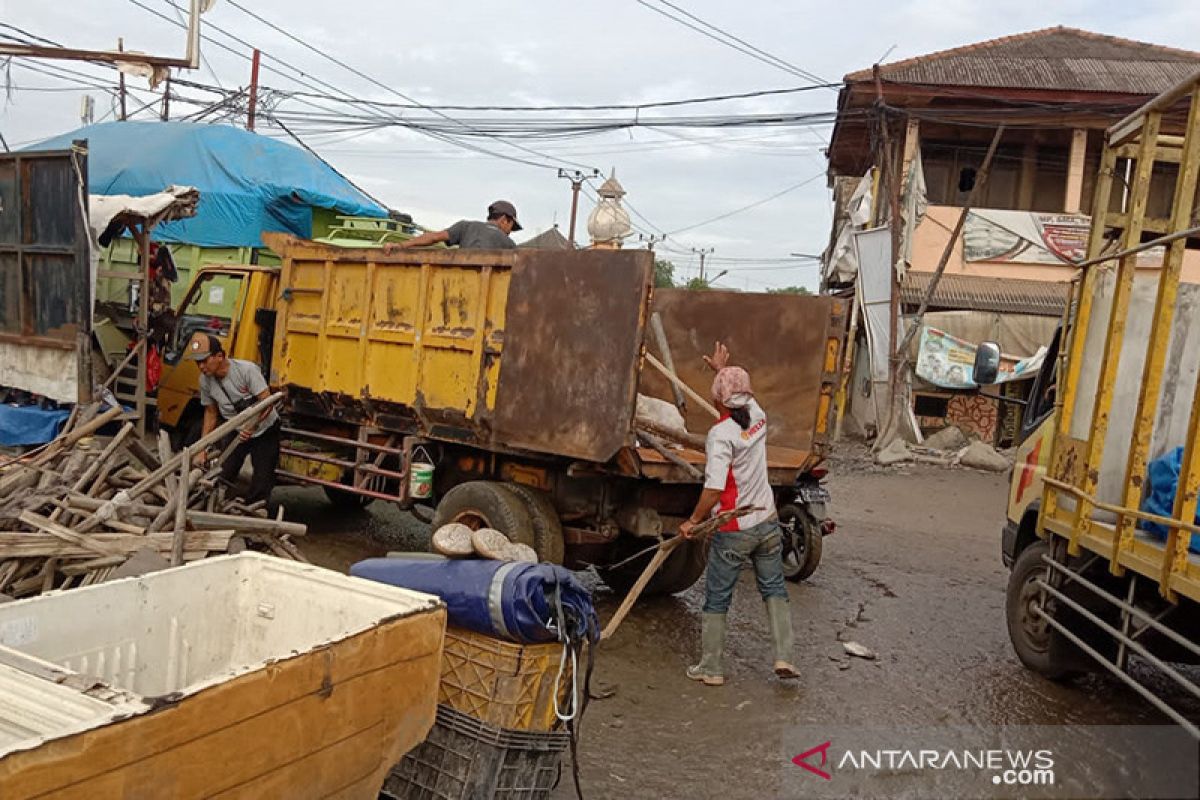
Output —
<point x="755" y="204"/>
<point x="775" y="59"/>
<point x="403" y="96"/>
<point x="720" y="36"/>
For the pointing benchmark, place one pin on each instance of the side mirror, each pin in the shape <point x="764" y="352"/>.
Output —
<point x="987" y="363"/>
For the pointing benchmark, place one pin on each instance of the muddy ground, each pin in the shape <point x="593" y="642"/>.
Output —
<point x="913" y="573"/>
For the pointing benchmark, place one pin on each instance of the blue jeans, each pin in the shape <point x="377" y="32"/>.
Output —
<point x="761" y="546"/>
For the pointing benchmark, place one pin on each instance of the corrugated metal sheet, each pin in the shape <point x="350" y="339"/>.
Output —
<point x="972" y="293"/>
<point x="1060" y="58"/>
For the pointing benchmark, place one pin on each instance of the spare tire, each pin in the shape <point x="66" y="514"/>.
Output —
<point x="484" y="504"/>
<point x="547" y="528"/>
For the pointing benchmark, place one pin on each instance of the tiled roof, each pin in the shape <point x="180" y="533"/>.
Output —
<point x="1066" y="59"/>
<point x="973" y="293"/>
<point x="551" y="239"/>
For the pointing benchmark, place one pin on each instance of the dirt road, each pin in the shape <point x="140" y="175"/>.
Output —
<point x="913" y="573"/>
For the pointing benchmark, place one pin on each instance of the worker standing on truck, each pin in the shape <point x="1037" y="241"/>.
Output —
<point x="471" y="234"/>
<point x="735" y="474"/>
<point x="228" y="386"/>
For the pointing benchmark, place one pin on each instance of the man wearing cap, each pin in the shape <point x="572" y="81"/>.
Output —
<point x="471" y="234"/>
<point x="229" y="386"/>
<point x="735" y="474"/>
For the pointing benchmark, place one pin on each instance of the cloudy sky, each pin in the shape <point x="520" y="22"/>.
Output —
<point x="755" y="195"/>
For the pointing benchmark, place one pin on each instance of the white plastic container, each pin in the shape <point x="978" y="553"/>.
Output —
<point x="249" y="635"/>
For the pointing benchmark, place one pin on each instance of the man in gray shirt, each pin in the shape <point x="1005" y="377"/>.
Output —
<point x="229" y="386"/>
<point x="469" y="234"/>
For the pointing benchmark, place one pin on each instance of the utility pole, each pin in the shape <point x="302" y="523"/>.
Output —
<point x="253" y="89"/>
<point x="121" y="79"/>
<point x="577" y="180"/>
<point x="651" y="240"/>
<point x="703" y="251"/>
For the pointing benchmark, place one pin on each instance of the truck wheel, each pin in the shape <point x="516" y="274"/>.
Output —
<point x="681" y="569"/>
<point x="1040" y="647"/>
<point x="802" y="542"/>
<point x="547" y="528"/>
<point x="347" y="501"/>
<point x="484" y="504"/>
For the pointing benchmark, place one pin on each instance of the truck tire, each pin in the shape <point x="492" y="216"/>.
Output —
<point x="1040" y="647"/>
<point x="547" y="528"/>
<point x="347" y="501"/>
<point x="677" y="574"/>
<point x="802" y="542"/>
<point x="484" y="504"/>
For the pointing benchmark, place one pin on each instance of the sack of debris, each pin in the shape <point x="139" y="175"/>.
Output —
<point x="521" y="602"/>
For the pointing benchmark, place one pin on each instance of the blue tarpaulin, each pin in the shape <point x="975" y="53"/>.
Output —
<point x="248" y="183"/>
<point x="29" y="425"/>
<point x="1162" y="482"/>
<point x="511" y="600"/>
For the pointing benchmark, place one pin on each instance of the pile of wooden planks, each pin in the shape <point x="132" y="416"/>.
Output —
<point x="86" y="508"/>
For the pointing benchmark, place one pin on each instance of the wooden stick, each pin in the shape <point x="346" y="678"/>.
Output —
<point x="660" y="337"/>
<point x="203" y="520"/>
<point x="121" y="367"/>
<point x="665" y="549"/>
<point x="693" y="440"/>
<point x="181" y="507"/>
<point x="66" y="534"/>
<point x="666" y="453"/>
<point x="674" y="379"/>
<point x="74" y="436"/>
<point x="101" y="461"/>
<point x="156" y="477"/>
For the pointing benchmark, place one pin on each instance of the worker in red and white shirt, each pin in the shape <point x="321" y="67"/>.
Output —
<point x="735" y="474"/>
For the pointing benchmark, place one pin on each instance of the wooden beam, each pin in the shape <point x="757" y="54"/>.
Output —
<point x="1073" y="203"/>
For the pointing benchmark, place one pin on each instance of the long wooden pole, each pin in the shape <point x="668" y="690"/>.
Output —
<point x="156" y="477"/>
<point x="675" y="379"/>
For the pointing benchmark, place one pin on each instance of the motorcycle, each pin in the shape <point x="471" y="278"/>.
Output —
<point x="803" y="516"/>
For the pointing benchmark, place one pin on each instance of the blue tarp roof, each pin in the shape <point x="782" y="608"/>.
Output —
<point x="248" y="183"/>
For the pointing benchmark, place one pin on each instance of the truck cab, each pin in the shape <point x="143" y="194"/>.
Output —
<point x="1032" y="457"/>
<point x="235" y="303"/>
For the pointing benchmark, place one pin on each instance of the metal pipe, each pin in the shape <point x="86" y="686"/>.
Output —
<point x="1150" y="245"/>
<point x="1122" y="639"/>
<point x="1122" y="130"/>
<point x="1137" y="612"/>
<point x="291" y="476"/>
<point x="348" y="443"/>
<point x="1179" y="719"/>
<point x="387" y="473"/>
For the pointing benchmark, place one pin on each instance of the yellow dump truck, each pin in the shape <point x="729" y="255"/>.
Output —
<point x="503" y="386"/>
<point x="1102" y="528"/>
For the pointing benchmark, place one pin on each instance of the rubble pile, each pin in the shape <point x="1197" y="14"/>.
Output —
<point x="84" y="509"/>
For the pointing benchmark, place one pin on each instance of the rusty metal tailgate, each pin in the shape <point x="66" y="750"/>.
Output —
<point x="788" y="343"/>
<point x="572" y="342"/>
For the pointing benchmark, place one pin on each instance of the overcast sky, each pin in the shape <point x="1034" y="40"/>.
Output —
<point x="560" y="53"/>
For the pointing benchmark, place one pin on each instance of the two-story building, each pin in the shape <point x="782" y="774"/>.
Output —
<point x="908" y="145"/>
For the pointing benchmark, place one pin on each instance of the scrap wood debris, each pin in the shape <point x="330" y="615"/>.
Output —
<point x="78" y="510"/>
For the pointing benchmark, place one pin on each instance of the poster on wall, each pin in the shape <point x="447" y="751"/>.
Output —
<point x="1025" y="237"/>
<point x="949" y="362"/>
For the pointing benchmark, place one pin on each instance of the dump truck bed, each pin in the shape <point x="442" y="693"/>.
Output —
<point x="534" y="351"/>
<point x="1143" y="552"/>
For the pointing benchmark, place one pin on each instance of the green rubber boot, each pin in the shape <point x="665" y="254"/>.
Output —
<point x="780" y="617"/>
<point x="712" y="643"/>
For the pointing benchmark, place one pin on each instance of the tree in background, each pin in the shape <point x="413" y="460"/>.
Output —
<point x="698" y="285"/>
<point x="664" y="274"/>
<point x="790" y="290"/>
